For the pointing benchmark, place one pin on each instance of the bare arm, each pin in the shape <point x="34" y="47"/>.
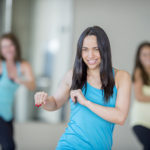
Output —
<point x="119" y="113"/>
<point x="27" y="71"/>
<point x="138" y="84"/>
<point x="61" y="95"/>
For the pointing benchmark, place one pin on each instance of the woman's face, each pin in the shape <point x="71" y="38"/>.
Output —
<point x="90" y="52"/>
<point x="145" y="56"/>
<point x="8" y="49"/>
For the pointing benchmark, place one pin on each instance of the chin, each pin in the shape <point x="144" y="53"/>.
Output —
<point x="92" y="67"/>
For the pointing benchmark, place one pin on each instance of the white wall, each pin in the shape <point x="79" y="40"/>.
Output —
<point x="2" y="16"/>
<point x="21" y="24"/>
<point x="126" y="23"/>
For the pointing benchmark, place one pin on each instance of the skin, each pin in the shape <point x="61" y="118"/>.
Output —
<point x="8" y="51"/>
<point x="138" y="84"/>
<point x="90" y="51"/>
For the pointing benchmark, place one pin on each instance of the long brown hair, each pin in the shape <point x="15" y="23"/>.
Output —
<point x="80" y="69"/>
<point x="15" y="42"/>
<point x="138" y="64"/>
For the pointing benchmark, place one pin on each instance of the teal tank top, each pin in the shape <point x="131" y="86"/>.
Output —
<point x="86" y="130"/>
<point x="7" y="92"/>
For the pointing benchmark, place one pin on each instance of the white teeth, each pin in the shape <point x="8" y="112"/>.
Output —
<point x="91" y="62"/>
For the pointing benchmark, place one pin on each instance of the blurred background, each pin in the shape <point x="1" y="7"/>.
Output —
<point x="48" y="31"/>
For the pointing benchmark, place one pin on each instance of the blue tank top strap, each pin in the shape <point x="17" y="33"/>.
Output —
<point x="18" y="68"/>
<point x="4" y="69"/>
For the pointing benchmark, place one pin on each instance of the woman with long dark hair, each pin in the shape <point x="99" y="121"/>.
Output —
<point x="140" y="113"/>
<point x="99" y="95"/>
<point x="12" y="69"/>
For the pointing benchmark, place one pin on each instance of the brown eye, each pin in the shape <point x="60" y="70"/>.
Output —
<point x="97" y="49"/>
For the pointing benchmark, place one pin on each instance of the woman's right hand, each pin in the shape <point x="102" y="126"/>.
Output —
<point x="40" y="98"/>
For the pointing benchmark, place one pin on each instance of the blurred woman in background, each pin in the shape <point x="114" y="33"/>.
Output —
<point x="12" y="69"/>
<point x="99" y="95"/>
<point x="140" y="113"/>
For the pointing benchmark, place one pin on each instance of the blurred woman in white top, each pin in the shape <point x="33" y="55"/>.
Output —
<point x="140" y="112"/>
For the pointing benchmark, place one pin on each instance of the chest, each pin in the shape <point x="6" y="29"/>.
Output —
<point x="97" y="97"/>
<point x="11" y="71"/>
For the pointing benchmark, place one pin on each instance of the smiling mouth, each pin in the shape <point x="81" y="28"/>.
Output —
<point x="92" y="62"/>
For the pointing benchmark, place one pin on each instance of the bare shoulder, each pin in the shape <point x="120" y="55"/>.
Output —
<point x="25" y="64"/>
<point x="122" y="76"/>
<point x="68" y="77"/>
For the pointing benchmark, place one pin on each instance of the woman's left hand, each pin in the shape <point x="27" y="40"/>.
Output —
<point x="79" y="96"/>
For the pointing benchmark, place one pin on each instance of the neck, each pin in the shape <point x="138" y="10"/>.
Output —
<point x="10" y="61"/>
<point x="93" y="72"/>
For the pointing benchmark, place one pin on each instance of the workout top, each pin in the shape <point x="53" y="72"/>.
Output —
<point x="140" y="112"/>
<point x="7" y="91"/>
<point x="86" y="130"/>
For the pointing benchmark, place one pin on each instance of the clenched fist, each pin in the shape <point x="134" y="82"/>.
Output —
<point x="40" y="98"/>
<point x="77" y="96"/>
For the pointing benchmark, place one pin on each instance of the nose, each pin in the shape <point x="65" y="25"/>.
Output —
<point x="90" y="54"/>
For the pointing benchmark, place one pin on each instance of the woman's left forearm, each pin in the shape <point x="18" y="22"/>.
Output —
<point x="111" y="114"/>
<point x="29" y="84"/>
